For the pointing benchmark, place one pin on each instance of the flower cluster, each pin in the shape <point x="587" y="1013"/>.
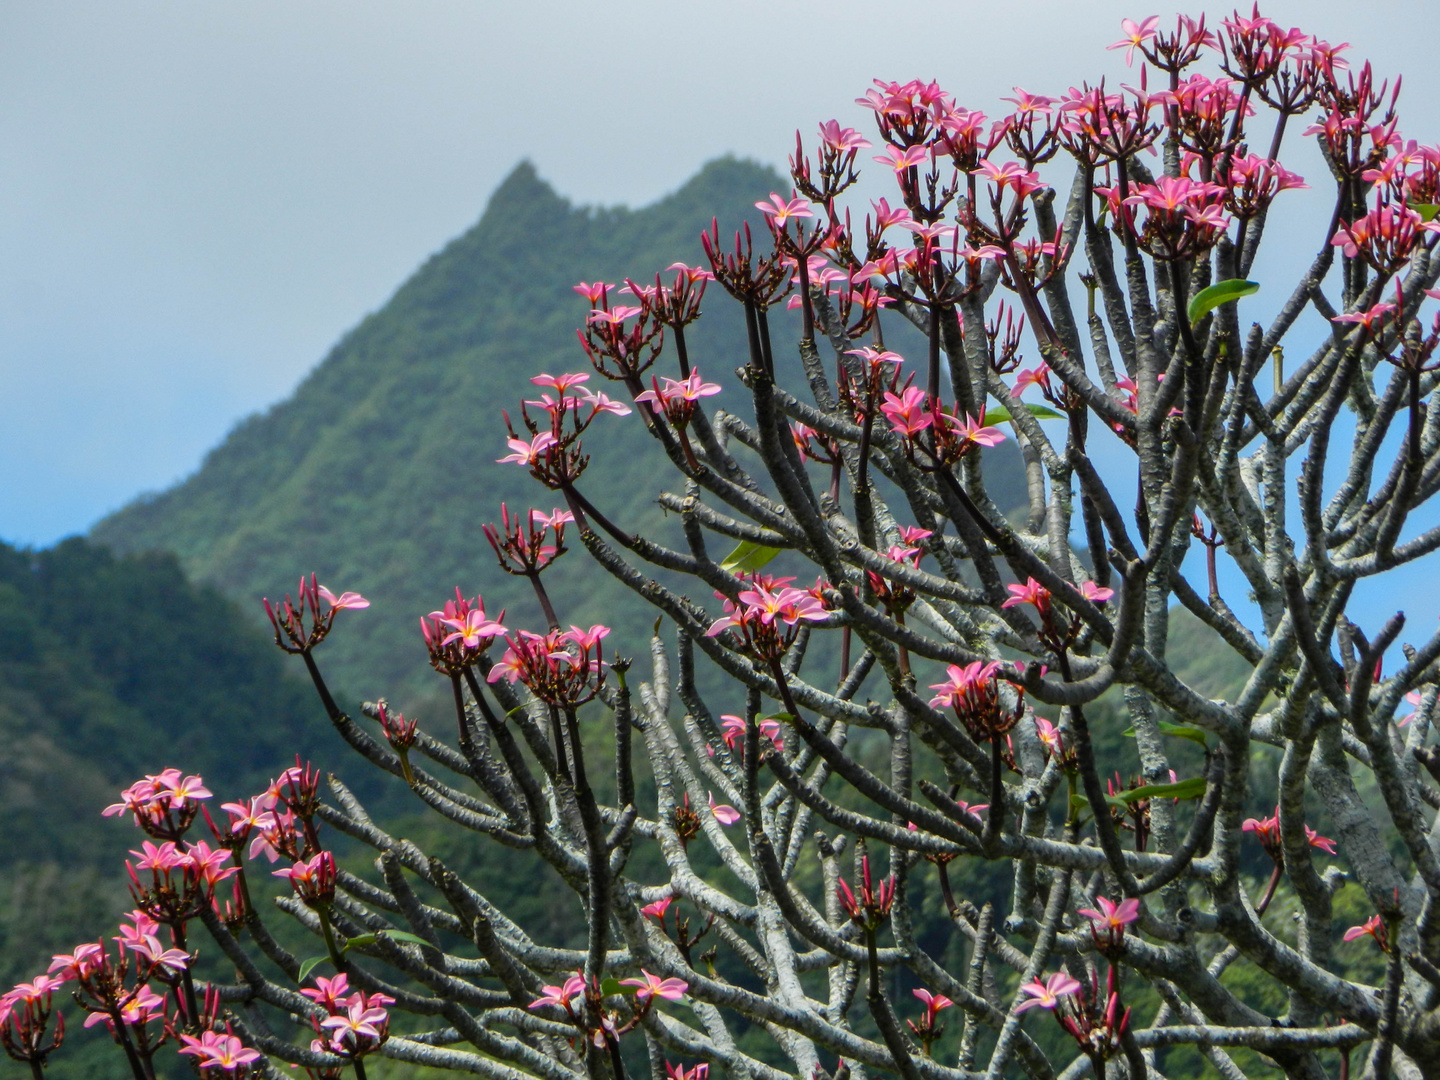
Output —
<point x="313" y="879"/>
<point x="620" y="349"/>
<point x="352" y="1024"/>
<point x="684" y="940"/>
<point x="929" y="1030"/>
<point x="164" y="805"/>
<point x="1056" y="630"/>
<point x="912" y="413"/>
<point x="768" y="615"/>
<point x="25" y="1013"/>
<point x="301" y="624"/>
<point x="457" y="635"/>
<point x="115" y="990"/>
<point x="676" y="305"/>
<point x="1267" y="831"/>
<point x="221" y="1056"/>
<point x="973" y="691"/>
<point x="732" y="731"/>
<point x="1107" y="925"/>
<point x="872" y="906"/>
<point x="687" y="823"/>
<point x="564" y="668"/>
<point x="596" y="1010"/>
<point x="897" y="598"/>
<point x="1097" y="1022"/>
<point x="181" y="880"/>
<point x="1183" y="217"/>
<point x="553" y="453"/>
<point x="677" y="399"/>
<point x="520" y="542"/>
<point x="1384" y="237"/>
<point x="1373" y="927"/>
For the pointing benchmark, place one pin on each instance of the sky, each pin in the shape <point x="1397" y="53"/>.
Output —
<point x="198" y="198"/>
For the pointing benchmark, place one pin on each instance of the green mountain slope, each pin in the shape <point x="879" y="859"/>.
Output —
<point x="380" y="471"/>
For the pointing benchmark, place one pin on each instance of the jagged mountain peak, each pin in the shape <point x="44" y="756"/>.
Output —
<point x="379" y="470"/>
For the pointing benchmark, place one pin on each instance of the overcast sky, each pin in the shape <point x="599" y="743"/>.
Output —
<point x="198" y="198"/>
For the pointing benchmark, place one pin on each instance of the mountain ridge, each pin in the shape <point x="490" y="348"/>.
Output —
<point x="378" y="471"/>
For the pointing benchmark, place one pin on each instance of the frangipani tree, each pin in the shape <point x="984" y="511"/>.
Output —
<point x="1125" y="290"/>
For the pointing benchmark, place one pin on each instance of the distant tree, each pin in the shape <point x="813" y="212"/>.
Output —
<point x="751" y="948"/>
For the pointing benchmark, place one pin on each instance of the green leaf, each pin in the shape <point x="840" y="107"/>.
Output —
<point x="611" y="985"/>
<point x="1180" y="731"/>
<point x="1182" y="789"/>
<point x="748" y="557"/>
<point x="1222" y="292"/>
<point x="1183" y="731"/>
<point x="1078" y="801"/>
<point x="782" y="717"/>
<point x="1042" y="412"/>
<point x="361" y="940"/>
<point x="999" y="414"/>
<point x="1427" y="211"/>
<point x="307" y="966"/>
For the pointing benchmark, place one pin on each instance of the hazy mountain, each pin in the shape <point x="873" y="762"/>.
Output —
<point x="379" y="471"/>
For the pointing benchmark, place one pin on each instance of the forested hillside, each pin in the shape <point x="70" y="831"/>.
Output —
<point x="111" y="668"/>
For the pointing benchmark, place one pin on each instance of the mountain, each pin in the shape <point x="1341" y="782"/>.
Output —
<point x="380" y="470"/>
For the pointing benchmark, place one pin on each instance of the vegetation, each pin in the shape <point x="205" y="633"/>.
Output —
<point x="380" y="470"/>
<point x="108" y="665"/>
<point x="1155" y="883"/>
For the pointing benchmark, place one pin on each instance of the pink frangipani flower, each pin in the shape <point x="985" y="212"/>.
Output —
<point x="526" y="453"/>
<point x="975" y="431"/>
<point x="841" y="140"/>
<point x="1373" y="927"/>
<point x="933" y="1002"/>
<point x="1049" y="736"/>
<point x="1047" y="994"/>
<point x="214" y="1050"/>
<point x="561" y="384"/>
<point x="592" y="291"/>
<point x="573" y="987"/>
<point x="779" y="210"/>
<point x="726" y="815"/>
<point x="330" y="992"/>
<point x="474" y="631"/>
<point x="1136" y="35"/>
<point x="1112" y="918"/>
<point x="341" y="602"/>
<point x="1032" y="592"/>
<point x="652" y="986"/>
<point x="900" y="160"/>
